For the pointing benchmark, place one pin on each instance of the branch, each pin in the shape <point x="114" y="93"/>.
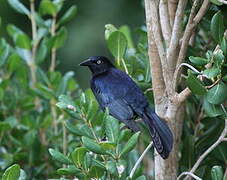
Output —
<point x="53" y="50"/>
<point x="176" y="35"/>
<point x="165" y="22"/>
<point x="156" y="30"/>
<point x="182" y="96"/>
<point x="189" y="174"/>
<point x="155" y="62"/>
<point x="172" y="6"/>
<point x="193" y="21"/>
<point x="178" y="70"/>
<point x="140" y="159"/>
<point x="211" y="148"/>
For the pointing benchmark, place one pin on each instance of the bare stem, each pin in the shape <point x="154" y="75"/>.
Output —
<point x="32" y="64"/>
<point x="53" y="50"/>
<point x="188" y="174"/>
<point x="140" y="159"/>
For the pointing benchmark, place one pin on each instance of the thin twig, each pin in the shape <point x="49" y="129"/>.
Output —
<point x="178" y="70"/>
<point x="212" y="147"/>
<point x="189" y="174"/>
<point x="53" y="50"/>
<point x="193" y="21"/>
<point x="140" y="159"/>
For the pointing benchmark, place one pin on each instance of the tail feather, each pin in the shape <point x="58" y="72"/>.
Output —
<point x="162" y="136"/>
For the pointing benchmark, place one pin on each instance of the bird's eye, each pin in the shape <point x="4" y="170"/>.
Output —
<point x="99" y="62"/>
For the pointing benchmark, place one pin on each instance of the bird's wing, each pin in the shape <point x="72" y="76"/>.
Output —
<point x="117" y="91"/>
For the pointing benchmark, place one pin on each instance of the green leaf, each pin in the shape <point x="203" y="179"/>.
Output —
<point x="19" y="7"/>
<point x="127" y="32"/>
<point x="59" y="156"/>
<point x="64" y="83"/>
<point x="112" y="168"/>
<point x="195" y="85"/>
<point x="4" y="126"/>
<point x="219" y="58"/>
<point x="109" y="29"/>
<point x="141" y="178"/>
<point x="60" y="38"/>
<point x="71" y="170"/>
<point x="117" y="44"/>
<point x="216" y="2"/>
<point x="4" y="52"/>
<point x="23" y="41"/>
<point x="112" y="129"/>
<point x="217" y="27"/>
<point x="130" y="144"/>
<point x="47" y="7"/>
<point x="211" y="73"/>
<point x="216" y="173"/>
<point x="217" y="94"/>
<point x="211" y="110"/>
<point x="69" y="15"/>
<point x="12" y="173"/>
<point x="198" y="60"/>
<point x="79" y="129"/>
<point x="224" y="46"/>
<point x="78" y="156"/>
<point x="96" y="172"/>
<point x="93" y="146"/>
<point x="41" y="53"/>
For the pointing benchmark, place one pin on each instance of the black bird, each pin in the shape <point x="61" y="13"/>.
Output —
<point x="115" y="90"/>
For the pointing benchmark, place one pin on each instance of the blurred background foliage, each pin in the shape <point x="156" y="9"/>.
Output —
<point x="85" y="32"/>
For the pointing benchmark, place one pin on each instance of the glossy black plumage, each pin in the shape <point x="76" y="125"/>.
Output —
<point x="115" y="90"/>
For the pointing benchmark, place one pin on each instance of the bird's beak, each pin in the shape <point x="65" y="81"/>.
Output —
<point x="87" y="62"/>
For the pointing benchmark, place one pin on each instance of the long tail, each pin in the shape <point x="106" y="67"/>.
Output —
<point x="162" y="136"/>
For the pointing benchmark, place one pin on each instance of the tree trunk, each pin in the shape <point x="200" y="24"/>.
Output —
<point x="167" y="169"/>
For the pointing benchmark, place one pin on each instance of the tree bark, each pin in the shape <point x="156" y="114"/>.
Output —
<point x="167" y="169"/>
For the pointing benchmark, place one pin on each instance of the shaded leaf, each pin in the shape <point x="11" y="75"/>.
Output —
<point x="47" y="7"/>
<point x="93" y="146"/>
<point x="59" y="156"/>
<point x="112" y="129"/>
<point x="217" y="27"/>
<point x="78" y="156"/>
<point x="198" y="60"/>
<point x="130" y="144"/>
<point x="195" y="85"/>
<point x="217" y="94"/>
<point x="71" y="170"/>
<point x="69" y="15"/>
<point x="216" y="173"/>
<point x="96" y="172"/>
<point x="19" y="7"/>
<point x="23" y="41"/>
<point x="117" y="44"/>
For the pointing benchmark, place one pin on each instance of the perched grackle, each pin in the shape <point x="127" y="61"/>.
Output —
<point x="116" y="91"/>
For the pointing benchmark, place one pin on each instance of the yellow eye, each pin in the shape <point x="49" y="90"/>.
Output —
<point x="99" y="62"/>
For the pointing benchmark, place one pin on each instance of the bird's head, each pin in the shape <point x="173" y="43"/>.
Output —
<point x="97" y="64"/>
